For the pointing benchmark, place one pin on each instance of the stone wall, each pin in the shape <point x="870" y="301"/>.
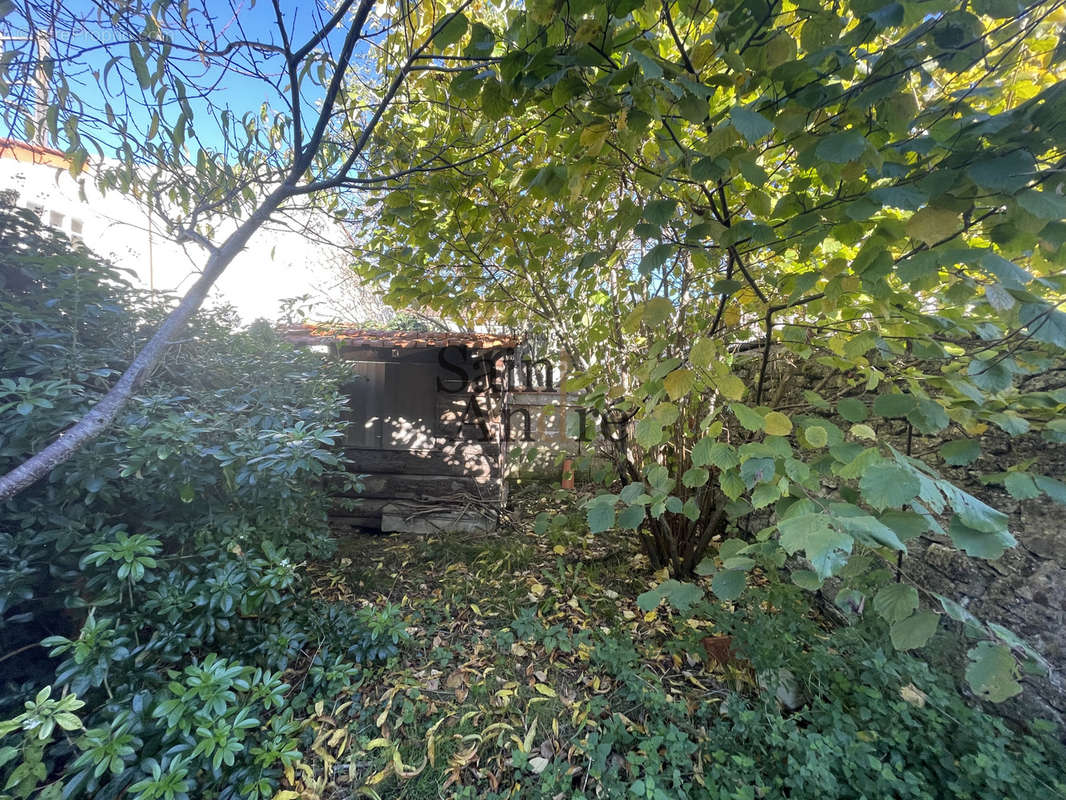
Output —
<point x="1025" y="589"/>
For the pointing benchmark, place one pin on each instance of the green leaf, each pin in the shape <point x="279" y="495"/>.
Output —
<point x="649" y="432"/>
<point x="719" y="454"/>
<point x="731" y="387"/>
<point x="764" y="494"/>
<point x="894" y="405"/>
<point x="140" y="66"/>
<point x="752" y="125"/>
<point x="449" y="31"/>
<point x="631" y="517"/>
<point x="842" y="147"/>
<point x="540" y="524"/>
<point x="1045" y="205"/>
<point x="1006" y="173"/>
<point x="729" y="584"/>
<point x="972" y="512"/>
<point x="649" y="600"/>
<point x="914" y="631"/>
<point x="991" y="673"/>
<point x="806" y="579"/>
<point x="1021" y="486"/>
<point x="907" y="198"/>
<point x="1054" y="489"/>
<point x="906" y="525"/>
<point x="872" y="532"/>
<point x="997" y="9"/>
<point x="758" y="470"/>
<point x="659" y="212"/>
<point x="816" y="435"/>
<point x="821" y="543"/>
<point x="888" y="485"/>
<point x="957" y="612"/>
<point x="979" y="544"/>
<point x="895" y="602"/>
<point x="852" y="409"/>
<point x="752" y="420"/>
<point x="1044" y="322"/>
<point x="706" y="567"/>
<point x="600" y="517"/>
<point x="960" y="452"/>
<point x="496" y="104"/>
<point x="680" y="595"/>
<point x="928" y="416"/>
<point x="655" y="258"/>
<point x="696" y="476"/>
<point x="731" y="484"/>
<point x="731" y="547"/>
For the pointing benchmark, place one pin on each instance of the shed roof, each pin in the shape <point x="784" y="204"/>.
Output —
<point x="318" y="333"/>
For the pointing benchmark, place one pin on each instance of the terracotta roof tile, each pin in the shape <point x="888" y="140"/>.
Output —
<point x="362" y="337"/>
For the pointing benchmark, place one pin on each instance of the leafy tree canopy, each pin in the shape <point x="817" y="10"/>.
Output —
<point x="693" y="198"/>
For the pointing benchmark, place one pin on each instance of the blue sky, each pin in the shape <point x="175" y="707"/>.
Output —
<point x="230" y="89"/>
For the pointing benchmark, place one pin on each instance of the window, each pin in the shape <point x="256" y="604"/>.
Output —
<point x="55" y="219"/>
<point x="76" y="227"/>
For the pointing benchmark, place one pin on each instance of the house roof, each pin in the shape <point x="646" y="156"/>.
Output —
<point x="362" y="337"/>
<point x="32" y="153"/>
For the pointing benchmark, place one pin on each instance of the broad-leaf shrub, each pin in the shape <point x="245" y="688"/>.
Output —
<point x="161" y="565"/>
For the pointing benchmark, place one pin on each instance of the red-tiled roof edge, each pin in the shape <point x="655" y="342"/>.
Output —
<point x="369" y="337"/>
<point x="17" y="144"/>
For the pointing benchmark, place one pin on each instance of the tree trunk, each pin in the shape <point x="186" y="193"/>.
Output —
<point x="101" y="415"/>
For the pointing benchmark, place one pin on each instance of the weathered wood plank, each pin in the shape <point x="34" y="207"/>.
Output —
<point x="472" y="460"/>
<point x="427" y="487"/>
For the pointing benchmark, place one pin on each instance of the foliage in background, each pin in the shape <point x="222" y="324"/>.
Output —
<point x="164" y="563"/>
<point x="705" y="203"/>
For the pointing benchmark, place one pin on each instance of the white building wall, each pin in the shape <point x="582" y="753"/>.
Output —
<point x="277" y="263"/>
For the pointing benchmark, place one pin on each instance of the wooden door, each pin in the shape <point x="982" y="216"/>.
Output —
<point x="366" y="396"/>
<point x="410" y="407"/>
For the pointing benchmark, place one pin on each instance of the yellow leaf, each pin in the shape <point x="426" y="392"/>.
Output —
<point x="777" y="424"/>
<point x="861" y="431"/>
<point x="703" y="352"/>
<point x="816" y="436"/>
<point x="527" y="743"/>
<point x="545" y="690"/>
<point x="559" y="549"/>
<point x="476" y="610"/>
<point x="380" y="776"/>
<point x="913" y="695"/>
<point x="678" y="383"/>
<point x="594" y="137"/>
<point x="932" y="224"/>
<point x="537" y="590"/>
<point x="731" y="387"/>
<point x="651" y="616"/>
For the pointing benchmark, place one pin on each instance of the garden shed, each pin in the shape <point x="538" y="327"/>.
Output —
<point x="424" y="425"/>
